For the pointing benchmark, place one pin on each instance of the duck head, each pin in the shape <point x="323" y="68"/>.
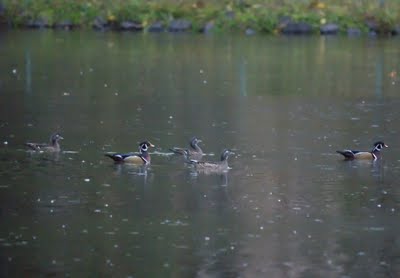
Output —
<point x="144" y="146"/>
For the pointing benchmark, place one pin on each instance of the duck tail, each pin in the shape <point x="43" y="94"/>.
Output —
<point x="177" y="151"/>
<point x="32" y="146"/>
<point x="114" y="157"/>
<point x="346" y="154"/>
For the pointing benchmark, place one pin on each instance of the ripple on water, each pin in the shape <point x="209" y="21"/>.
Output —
<point x="174" y="223"/>
<point x="374" y="229"/>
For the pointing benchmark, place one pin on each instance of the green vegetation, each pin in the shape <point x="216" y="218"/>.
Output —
<point x="383" y="16"/>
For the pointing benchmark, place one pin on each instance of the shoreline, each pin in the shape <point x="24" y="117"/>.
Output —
<point x="272" y="17"/>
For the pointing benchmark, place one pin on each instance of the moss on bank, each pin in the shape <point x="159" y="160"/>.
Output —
<point x="268" y="16"/>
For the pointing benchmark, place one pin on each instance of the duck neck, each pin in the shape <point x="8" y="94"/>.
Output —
<point x="197" y="148"/>
<point x="376" y="150"/>
<point x="224" y="162"/>
<point x="55" y="144"/>
<point x="145" y="155"/>
<point x="224" y="159"/>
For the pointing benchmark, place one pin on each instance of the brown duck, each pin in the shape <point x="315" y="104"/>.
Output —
<point x="374" y="154"/>
<point x="142" y="157"/>
<point x="212" y="166"/>
<point x="52" y="146"/>
<point x="194" y="152"/>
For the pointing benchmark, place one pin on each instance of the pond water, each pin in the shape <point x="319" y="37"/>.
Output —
<point x="289" y="207"/>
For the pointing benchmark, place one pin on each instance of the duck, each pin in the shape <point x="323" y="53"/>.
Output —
<point x="52" y="146"/>
<point x="374" y="154"/>
<point x="212" y="166"/>
<point x="140" y="158"/>
<point x="194" y="152"/>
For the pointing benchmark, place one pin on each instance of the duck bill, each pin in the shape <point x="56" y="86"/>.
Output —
<point x="151" y="145"/>
<point x="386" y="146"/>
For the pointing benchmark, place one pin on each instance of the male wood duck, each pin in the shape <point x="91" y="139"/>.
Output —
<point x="195" y="152"/>
<point x="142" y="157"/>
<point x="215" y="166"/>
<point x="372" y="155"/>
<point x="52" y="146"/>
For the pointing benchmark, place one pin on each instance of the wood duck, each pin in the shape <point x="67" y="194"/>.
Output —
<point x="215" y="166"/>
<point x="195" y="152"/>
<point x="372" y="155"/>
<point x="142" y="157"/>
<point x="52" y="146"/>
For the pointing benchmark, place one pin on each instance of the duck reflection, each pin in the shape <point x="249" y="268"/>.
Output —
<point x="222" y="177"/>
<point x="131" y="169"/>
<point x="44" y="157"/>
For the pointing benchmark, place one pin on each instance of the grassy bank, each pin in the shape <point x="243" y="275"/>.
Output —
<point x="268" y="16"/>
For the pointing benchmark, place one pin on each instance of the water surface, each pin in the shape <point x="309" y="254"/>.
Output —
<point x="289" y="207"/>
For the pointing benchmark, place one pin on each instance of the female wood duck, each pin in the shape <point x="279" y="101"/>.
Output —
<point x="217" y="166"/>
<point x="143" y="157"/>
<point x="195" y="152"/>
<point x="53" y="146"/>
<point x="372" y="155"/>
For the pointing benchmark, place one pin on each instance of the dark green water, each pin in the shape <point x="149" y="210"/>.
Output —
<point x="289" y="207"/>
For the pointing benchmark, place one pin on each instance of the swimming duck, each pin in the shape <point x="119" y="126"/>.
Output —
<point x="215" y="166"/>
<point x="195" y="152"/>
<point x="372" y="155"/>
<point x="143" y="157"/>
<point x="52" y="146"/>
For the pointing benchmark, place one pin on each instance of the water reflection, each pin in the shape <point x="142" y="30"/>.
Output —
<point x="221" y="178"/>
<point x="131" y="169"/>
<point x="50" y="157"/>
